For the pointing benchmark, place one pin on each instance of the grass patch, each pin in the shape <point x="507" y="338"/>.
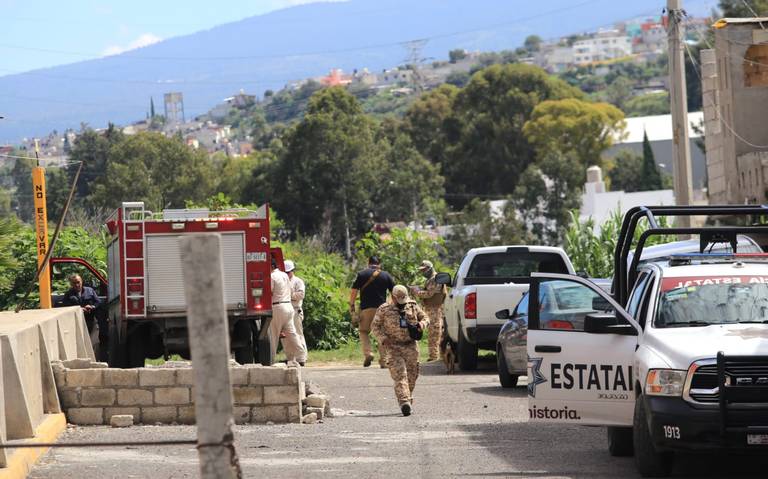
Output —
<point x="349" y="354"/>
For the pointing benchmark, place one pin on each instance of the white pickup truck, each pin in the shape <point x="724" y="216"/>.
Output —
<point x="490" y="279"/>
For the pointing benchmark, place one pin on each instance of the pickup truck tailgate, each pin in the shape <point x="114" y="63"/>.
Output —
<point x="494" y="297"/>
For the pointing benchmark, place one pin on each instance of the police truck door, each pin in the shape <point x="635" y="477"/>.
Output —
<point x="580" y="353"/>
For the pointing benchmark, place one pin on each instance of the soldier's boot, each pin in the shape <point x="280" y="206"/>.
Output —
<point x="406" y="408"/>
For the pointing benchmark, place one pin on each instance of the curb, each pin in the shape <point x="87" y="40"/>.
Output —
<point x="21" y="461"/>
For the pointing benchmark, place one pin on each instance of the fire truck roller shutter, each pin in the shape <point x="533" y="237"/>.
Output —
<point x="165" y="282"/>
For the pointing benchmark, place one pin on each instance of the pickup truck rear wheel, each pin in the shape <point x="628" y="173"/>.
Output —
<point x="620" y="441"/>
<point x="649" y="461"/>
<point x="263" y="346"/>
<point x="467" y="353"/>
<point x="507" y="380"/>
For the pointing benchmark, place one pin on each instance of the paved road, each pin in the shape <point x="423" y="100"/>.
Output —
<point x="464" y="425"/>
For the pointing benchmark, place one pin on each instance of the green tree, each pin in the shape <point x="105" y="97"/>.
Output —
<point x="532" y="43"/>
<point x="431" y="124"/>
<point x="92" y="148"/>
<point x="581" y="129"/>
<point x="650" y="176"/>
<point x="479" y="225"/>
<point x="743" y="8"/>
<point x="648" y="104"/>
<point x="457" y="55"/>
<point x="626" y="172"/>
<point x="162" y="172"/>
<point x="328" y="168"/>
<point x="619" y="92"/>
<point x="486" y="149"/>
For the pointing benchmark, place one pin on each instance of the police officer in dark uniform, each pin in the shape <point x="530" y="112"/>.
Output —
<point x="89" y="302"/>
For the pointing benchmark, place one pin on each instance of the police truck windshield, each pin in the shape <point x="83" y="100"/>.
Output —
<point x="691" y="302"/>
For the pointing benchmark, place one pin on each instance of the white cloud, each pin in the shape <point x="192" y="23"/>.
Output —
<point x="145" y="39"/>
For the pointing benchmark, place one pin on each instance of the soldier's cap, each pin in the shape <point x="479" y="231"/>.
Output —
<point x="400" y="294"/>
<point x="289" y="266"/>
<point x="425" y="265"/>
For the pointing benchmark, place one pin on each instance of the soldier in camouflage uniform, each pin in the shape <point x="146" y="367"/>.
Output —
<point x="432" y="296"/>
<point x="390" y="326"/>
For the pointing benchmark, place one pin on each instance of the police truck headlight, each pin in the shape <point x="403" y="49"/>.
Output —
<point x="665" y="382"/>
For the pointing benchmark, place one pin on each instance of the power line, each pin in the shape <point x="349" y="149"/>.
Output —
<point x="130" y="56"/>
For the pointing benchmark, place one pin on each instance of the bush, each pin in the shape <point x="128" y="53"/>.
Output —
<point x="401" y="253"/>
<point x="327" y="323"/>
<point x="73" y="241"/>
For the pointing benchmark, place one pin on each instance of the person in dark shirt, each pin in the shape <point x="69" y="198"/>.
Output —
<point x="89" y="302"/>
<point x="372" y="285"/>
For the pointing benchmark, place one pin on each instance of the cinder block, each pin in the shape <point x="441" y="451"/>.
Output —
<point x="86" y="415"/>
<point x="294" y="375"/>
<point x="80" y="363"/>
<point x="157" y="377"/>
<point x="84" y="377"/>
<point x="95" y="365"/>
<point x="134" y="397"/>
<point x="60" y="376"/>
<point x="121" y="377"/>
<point x="238" y="376"/>
<point x="69" y="398"/>
<point x="281" y="394"/>
<point x="267" y="376"/>
<point x="262" y="414"/>
<point x="247" y="395"/>
<point x="242" y="415"/>
<point x="316" y="400"/>
<point x="122" y="411"/>
<point x="186" y="415"/>
<point x="172" y="396"/>
<point x="294" y="414"/>
<point x="97" y="397"/>
<point x="121" y="420"/>
<point x="318" y="411"/>
<point x="185" y="377"/>
<point x="162" y="414"/>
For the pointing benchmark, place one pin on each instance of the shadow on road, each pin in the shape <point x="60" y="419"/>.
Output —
<point x="535" y="449"/>
<point x="518" y="392"/>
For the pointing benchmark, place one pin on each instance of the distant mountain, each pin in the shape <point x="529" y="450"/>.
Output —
<point x="267" y="51"/>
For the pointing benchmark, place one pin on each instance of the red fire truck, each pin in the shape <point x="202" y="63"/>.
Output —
<point x="144" y="289"/>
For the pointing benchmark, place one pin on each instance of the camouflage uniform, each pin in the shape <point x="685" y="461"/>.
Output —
<point x="402" y="351"/>
<point x="432" y="296"/>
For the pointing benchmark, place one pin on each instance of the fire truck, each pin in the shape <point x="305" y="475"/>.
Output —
<point x="143" y="293"/>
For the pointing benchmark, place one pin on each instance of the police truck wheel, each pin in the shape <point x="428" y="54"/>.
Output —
<point x="620" y="441"/>
<point x="263" y="347"/>
<point x="507" y="380"/>
<point x="244" y="354"/>
<point x="649" y="461"/>
<point x="467" y="353"/>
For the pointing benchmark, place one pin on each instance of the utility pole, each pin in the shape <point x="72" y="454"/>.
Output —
<point x="679" y="107"/>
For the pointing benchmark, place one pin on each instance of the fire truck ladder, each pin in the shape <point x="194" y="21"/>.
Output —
<point x="133" y="221"/>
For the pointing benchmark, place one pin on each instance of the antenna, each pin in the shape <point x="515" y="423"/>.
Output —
<point x="415" y="59"/>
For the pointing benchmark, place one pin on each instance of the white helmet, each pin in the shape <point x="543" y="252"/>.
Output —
<point x="289" y="266"/>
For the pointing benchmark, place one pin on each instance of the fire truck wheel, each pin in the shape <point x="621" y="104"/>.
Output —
<point x="243" y="332"/>
<point x="136" y="356"/>
<point x="116" y="353"/>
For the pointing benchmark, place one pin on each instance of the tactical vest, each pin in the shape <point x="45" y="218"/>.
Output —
<point x="437" y="298"/>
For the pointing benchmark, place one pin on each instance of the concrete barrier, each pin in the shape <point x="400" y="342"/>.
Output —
<point x="29" y="341"/>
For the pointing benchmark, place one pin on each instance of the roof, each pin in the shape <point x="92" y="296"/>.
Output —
<point x="658" y="127"/>
<point x="723" y="22"/>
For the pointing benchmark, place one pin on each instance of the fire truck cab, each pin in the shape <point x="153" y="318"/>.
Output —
<point x="144" y="287"/>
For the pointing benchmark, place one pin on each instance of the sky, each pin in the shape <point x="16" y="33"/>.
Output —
<point x="44" y="33"/>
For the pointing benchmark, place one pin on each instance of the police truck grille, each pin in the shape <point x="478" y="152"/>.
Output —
<point x="749" y="376"/>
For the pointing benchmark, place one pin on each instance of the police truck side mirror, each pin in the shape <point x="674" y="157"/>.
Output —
<point x="503" y="314"/>
<point x="607" y="323"/>
<point x="443" y="278"/>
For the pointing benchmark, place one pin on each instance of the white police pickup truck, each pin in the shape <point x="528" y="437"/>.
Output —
<point x="675" y="360"/>
<point x="490" y="279"/>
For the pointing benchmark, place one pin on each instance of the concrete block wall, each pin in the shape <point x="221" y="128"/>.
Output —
<point x="91" y="393"/>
